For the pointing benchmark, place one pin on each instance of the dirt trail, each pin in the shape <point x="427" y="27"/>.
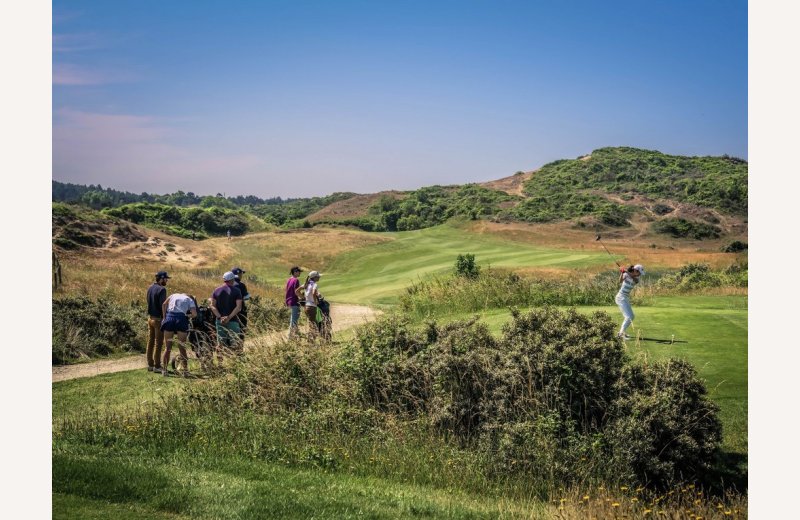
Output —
<point x="344" y="317"/>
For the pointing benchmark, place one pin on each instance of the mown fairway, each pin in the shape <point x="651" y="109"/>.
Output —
<point x="378" y="273"/>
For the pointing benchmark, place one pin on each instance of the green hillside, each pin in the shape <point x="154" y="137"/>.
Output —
<point x="572" y="188"/>
<point x="610" y="185"/>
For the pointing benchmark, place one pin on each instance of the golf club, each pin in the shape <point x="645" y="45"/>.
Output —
<point x="597" y="239"/>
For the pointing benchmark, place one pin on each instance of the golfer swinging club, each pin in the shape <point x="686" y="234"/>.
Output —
<point x="628" y="278"/>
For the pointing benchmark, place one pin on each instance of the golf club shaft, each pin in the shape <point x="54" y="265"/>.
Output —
<point x="609" y="252"/>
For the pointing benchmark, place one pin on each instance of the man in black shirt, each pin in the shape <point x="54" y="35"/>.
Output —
<point x="156" y="296"/>
<point x="226" y="303"/>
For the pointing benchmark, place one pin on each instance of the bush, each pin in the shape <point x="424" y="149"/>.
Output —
<point x="264" y="315"/>
<point x="663" y="426"/>
<point x="555" y="397"/>
<point x="88" y="328"/>
<point x="696" y="276"/>
<point x="682" y="228"/>
<point x="466" y="267"/>
<point x="735" y="247"/>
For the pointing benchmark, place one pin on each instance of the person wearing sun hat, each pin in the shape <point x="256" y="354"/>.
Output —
<point x="156" y="296"/>
<point x="629" y="278"/>
<point x="311" y="291"/>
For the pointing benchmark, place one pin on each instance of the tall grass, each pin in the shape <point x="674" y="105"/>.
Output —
<point x="500" y="288"/>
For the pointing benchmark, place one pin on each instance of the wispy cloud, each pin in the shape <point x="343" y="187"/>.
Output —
<point x="137" y="153"/>
<point x="69" y="74"/>
<point x="75" y="42"/>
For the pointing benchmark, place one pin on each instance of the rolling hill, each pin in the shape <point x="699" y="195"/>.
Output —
<point x="627" y="191"/>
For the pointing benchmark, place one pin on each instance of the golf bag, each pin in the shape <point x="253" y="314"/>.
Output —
<point x="325" y="325"/>
<point x="203" y="332"/>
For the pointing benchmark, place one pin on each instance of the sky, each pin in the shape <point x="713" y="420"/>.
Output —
<point x="307" y="98"/>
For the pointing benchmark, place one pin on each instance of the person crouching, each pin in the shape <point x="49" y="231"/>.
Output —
<point x="177" y="310"/>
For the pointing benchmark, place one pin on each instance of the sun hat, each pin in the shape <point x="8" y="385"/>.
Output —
<point x="228" y="276"/>
<point x="640" y="268"/>
<point x="314" y="274"/>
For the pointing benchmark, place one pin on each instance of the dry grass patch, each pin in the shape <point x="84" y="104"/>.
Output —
<point x="625" y="243"/>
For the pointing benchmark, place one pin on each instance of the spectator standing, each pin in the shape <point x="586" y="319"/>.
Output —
<point x="156" y="296"/>
<point x="239" y="284"/>
<point x="312" y="294"/>
<point x="229" y="234"/>
<point x="226" y="303"/>
<point x="292" y="300"/>
<point x="177" y="310"/>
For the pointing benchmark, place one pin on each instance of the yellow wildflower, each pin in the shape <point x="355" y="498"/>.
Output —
<point x="615" y="504"/>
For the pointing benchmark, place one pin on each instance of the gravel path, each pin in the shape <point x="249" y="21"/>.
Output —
<point x="344" y="317"/>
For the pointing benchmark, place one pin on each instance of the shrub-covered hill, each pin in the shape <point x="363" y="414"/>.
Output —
<point x="76" y="226"/>
<point x="683" y="197"/>
<point x="591" y="184"/>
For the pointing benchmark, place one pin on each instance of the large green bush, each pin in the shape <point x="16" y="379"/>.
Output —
<point x="554" y="397"/>
<point x="85" y="328"/>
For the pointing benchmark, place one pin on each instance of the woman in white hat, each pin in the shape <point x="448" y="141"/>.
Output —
<point x="628" y="278"/>
<point x="312" y="297"/>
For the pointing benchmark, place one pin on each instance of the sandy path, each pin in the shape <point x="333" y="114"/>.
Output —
<point x="344" y="317"/>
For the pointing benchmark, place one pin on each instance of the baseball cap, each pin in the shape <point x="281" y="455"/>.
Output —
<point x="161" y="274"/>
<point x="314" y="274"/>
<point x="238" y="270"/>
<point x="295" y="268"/>
<point x="228" y="276"/>
<point x="640" y="268"/>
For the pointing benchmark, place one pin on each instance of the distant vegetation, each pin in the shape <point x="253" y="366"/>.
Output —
<point x="182" y="221"/>
<point x="682" y="228"/>
<point x="602" y="186"/>
<point x="563" y="189"/>
<point x="427" y="207"/>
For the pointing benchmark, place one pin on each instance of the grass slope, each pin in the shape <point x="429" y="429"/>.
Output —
<point x="378" y="273"/>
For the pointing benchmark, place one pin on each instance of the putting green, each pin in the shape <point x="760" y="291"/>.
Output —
<point x="377" y="274"/>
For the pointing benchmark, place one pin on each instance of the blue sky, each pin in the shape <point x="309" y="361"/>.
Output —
<point x="298" y="98"/>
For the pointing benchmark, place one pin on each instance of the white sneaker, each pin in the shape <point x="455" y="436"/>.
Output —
<point x="623" y="337"/>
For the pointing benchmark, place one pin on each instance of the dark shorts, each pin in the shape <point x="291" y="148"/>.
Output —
<point x="175" y="322"/>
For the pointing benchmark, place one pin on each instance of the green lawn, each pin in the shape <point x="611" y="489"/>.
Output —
<point x="102" y="483"/>
<point x="113" y="393"/>
<point x="377" y="274"/>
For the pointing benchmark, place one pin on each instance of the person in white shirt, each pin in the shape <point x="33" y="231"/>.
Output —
<point x="312" y="296"/>
<point x="628" y="278"/>
<point x="178" y="308"/>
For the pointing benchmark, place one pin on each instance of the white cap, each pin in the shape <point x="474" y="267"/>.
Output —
<point x="640" y="268"/>
<point x="314" y="274"/>
<point x="228" y="276"/>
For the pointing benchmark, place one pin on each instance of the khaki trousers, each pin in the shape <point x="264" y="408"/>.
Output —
<point x="155" y="341"/>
